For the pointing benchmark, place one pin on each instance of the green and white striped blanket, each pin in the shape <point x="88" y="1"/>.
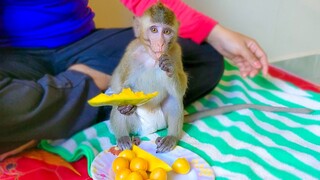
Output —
<point x="245" y="144"/>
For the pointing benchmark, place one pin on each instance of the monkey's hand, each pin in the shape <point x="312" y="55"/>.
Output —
<point x="166" y="64"/>
<point x="125" y="142"/>
<point x="127" y="109"/>
<point x="166" y="144"/>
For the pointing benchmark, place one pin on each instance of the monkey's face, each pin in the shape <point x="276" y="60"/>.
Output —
<point x="158" y="38"/>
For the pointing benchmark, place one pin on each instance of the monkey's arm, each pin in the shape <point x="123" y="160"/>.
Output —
<point x="171" y="63"/>
<point x="180" y="75"/>
<point x="173" y="105"/>
<point x="173" y="109"/>
<point x="121" y="74"/>
<point x="124" y="68"/>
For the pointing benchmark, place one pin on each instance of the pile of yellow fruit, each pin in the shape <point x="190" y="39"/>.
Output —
<point x="137" y="164"/>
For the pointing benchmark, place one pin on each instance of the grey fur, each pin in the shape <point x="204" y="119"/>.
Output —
<point x="235" y="107"/>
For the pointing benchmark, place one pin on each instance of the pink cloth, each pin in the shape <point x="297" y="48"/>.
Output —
<point x="193" y="24"/>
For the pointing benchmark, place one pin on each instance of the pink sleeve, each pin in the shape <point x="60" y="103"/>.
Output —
<point x="193" y="24"/>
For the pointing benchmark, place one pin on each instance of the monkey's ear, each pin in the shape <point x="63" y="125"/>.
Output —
<point x="136" y="26"/>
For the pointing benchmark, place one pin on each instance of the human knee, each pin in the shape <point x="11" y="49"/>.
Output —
<point x="19" y="97"/>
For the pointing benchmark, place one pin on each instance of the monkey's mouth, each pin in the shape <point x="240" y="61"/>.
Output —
<point x="158" y="54"/>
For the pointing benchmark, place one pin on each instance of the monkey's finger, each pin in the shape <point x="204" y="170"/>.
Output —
<point x="163" y="58"/>
<point x="168" y="69"/>
<point x="124" y="107"/>
<point x="123" y="146"/>
<point x="167" y="144"/>
<point x="127" y="110"/>
<point x="120" y="108"/>
<point x="160" y="149"/>
<point x="136" y="141"/>
<point x="133" y="109"/>
<point x="124" y="143"/>
<point x="158" y="141"/>
<point x="165" y="147"/>
<point x="164" y="64"/>
<point x="164" y="61"/>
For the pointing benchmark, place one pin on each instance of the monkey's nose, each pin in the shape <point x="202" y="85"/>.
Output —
<point x="161" y="44"/>
<point x="160" y="47"/>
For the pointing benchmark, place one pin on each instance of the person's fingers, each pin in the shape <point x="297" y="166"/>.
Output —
<point x="249" y="55"/>
<point x="253" y="72"/>
<point x="265" y="65"/>
<point x="100" y="78"/>
<point x="244" y="74"/>
<point x="244" y="66"/>
<point x="261" y="55"/>
<point x="241" y="67"/>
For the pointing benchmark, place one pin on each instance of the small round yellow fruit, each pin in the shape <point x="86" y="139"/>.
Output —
<point x="127" y="153"/>
<point x="143" y="173"/>
<point x="122" y="174"/>
<point x="159" y="174"/>
<point x="120" y="163"/>
<point x="181" y="166"/>
<point x="138" y="163"/>
<point x="134" y="176"/>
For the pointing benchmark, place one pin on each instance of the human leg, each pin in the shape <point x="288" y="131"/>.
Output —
<point x="204" y="66"/>
<point x="52" y="108"/>
<point x="41" y="98"/>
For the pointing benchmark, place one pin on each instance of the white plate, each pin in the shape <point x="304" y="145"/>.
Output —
<point x="200" y="169"/>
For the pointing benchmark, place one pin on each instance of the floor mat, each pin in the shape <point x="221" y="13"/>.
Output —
<point x="245" y="144"/>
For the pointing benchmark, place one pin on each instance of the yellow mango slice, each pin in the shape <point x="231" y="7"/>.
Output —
<point x="153" y="161"/>
<point x="125" y="97"/>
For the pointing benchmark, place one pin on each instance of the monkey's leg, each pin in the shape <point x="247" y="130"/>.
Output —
<point x="125" y="142"/>
<point x="119" y="126"/>
<point x="173" y="108"/>
<point x="122" y="125"/>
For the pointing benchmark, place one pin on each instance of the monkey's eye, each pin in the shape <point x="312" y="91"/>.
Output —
<point x="167" y="31"/>
<point x="154" y="29"/>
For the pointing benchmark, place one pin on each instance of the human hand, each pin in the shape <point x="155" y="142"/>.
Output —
<point x="100" y="79"/>
<point x="243" y="51"/>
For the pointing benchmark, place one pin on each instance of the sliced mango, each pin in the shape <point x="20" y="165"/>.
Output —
<point x="125" y="97"/>
<point x="153" y="161"/>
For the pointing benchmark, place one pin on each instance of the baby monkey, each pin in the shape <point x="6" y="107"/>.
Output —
<point x="152" y="62"/>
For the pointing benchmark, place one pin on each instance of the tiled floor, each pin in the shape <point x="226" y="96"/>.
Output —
<point x="307" y="67"/>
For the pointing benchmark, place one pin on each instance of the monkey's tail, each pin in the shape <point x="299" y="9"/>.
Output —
<point x="235" y="107"/>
